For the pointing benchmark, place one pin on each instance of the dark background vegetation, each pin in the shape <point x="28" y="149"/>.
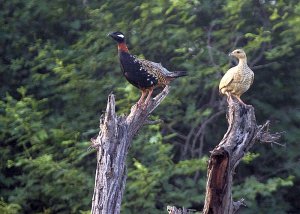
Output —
<point x="57" y="67"/>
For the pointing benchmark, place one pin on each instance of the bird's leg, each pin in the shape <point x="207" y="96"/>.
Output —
<point x="148" y="97"/>
<point x="239" y="99"/>
<point x="139" y="103"/>
<point x="229" y="98"/>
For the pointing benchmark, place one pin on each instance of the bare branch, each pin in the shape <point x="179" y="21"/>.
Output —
<point x="153" y="122"/>
<point x="264" y="136"/>
<point x="238" y="204"/>
<point x="183" y="137"/>
<point x="236" y="40"/>
<point x="259" y="55"/>
<point x="209" y="47"/>
<point x="203" y="126"/>
<point x="256" y="67"/>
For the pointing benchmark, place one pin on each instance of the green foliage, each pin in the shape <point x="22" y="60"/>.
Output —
<point x="156" y="180"/>
<point x="249" y="157"/>
<point x="39" y="171"/>
<point x="57" y="67"/>
<point x="9" y="208"/>
<point x="259" y="196"/>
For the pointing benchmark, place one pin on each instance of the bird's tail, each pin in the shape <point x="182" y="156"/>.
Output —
<point x="176" y="74"/>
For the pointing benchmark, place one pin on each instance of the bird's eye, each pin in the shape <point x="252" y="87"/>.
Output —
<point x="238" y="52"/>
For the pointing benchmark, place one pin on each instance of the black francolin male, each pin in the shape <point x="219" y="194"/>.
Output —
<point x="141" y="73"/>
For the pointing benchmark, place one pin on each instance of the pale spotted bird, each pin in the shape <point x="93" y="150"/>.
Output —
<point x="141" y="73"/>
<point x="238" y="79"/>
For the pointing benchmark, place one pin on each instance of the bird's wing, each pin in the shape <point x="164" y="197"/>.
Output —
<point x="252" y="77"/>
<point x="135" y="72"/>
<point x="227" y="78"/>
<point x="154" y="68"/>
<point x="141" y="80"/>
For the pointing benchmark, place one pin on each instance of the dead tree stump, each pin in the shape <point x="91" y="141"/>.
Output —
<point x="242" y="133"/>
<point x="112" y="143"/>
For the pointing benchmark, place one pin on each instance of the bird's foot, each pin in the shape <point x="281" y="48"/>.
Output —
<point x="146" y="103"/>
<point x="229" y="97"/>
<point x="244" y="104"/>
<point x="141" y="105"/>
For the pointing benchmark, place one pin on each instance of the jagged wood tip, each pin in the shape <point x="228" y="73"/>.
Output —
<point x="159" y="98"/>
<point x="111" y="107"/>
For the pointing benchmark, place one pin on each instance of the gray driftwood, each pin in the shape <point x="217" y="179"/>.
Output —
<point x="242" y="133"/>
<point x="112" y="143"/>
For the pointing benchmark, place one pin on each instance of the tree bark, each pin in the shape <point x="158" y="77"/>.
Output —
<point x="242" y="133"/>
<point x="113" y="142"/>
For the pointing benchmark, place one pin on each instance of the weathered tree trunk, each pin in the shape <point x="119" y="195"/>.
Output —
<point x="113" y="142"/>
<point x="242" y="133"/>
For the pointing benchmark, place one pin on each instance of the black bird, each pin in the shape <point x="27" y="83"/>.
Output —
<point x="141" y="73"/>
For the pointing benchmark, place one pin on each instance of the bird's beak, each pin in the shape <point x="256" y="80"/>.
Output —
<point x="109" y="34"/>
<point x="230" y="54"/>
